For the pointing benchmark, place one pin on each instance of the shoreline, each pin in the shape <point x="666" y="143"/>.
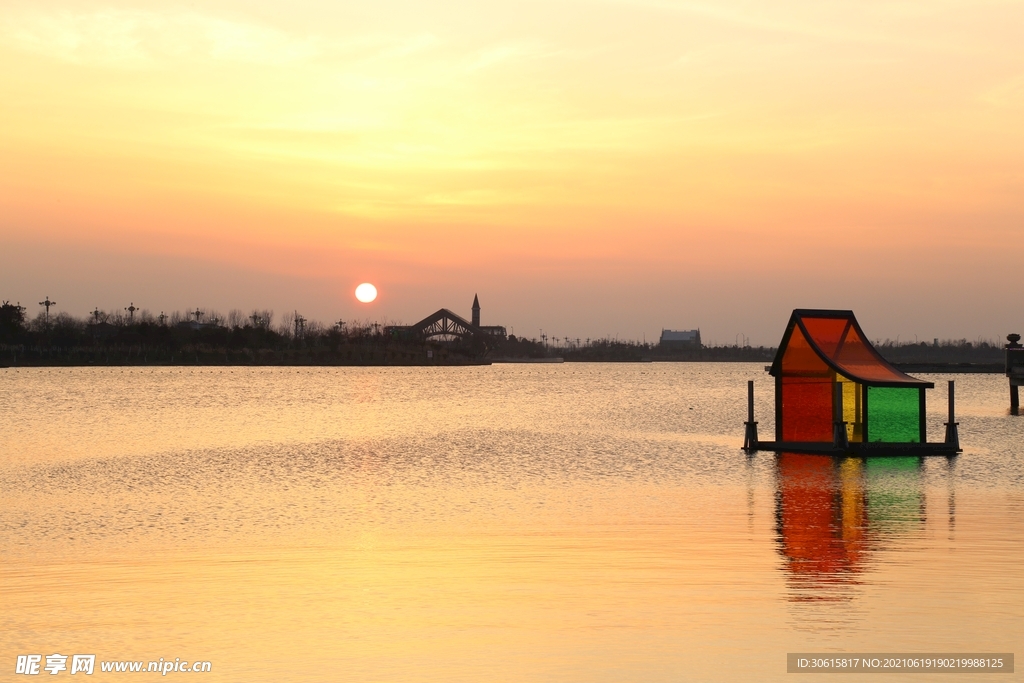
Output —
<point x="961" y="368"/>
<point x="949" y="368"/>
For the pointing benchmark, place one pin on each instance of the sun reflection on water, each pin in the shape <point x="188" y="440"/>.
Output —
<point x="522" y="524"/>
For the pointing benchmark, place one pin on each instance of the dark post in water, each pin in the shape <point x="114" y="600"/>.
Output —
<point x="1014" y="370"/>
<point x="839" y="437"/>
<point x="750" y="436"/>
<point x="952" y="433"/>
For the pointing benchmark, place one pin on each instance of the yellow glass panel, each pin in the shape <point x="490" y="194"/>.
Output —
<point x="852" y="408"/>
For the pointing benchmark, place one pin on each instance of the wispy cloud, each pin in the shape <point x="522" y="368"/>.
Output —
<point x="136" y="39"/>
<point x="504" y="53"/>
<point x="1009" y="93"/>
<point x="845" y="21"/>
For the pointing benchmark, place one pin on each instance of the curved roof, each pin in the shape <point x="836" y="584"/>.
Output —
<point x="836" y="339"/>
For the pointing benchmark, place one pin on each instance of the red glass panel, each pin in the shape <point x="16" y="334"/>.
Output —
<point x="802" y="360"/>
<point x="827" y="333"/>
<point x="856" y="358"/>
<point x="838" y="339"/>
<point x="806" y="409"/>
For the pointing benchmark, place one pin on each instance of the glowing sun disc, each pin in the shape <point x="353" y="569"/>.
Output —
<point x="366" y="292"/>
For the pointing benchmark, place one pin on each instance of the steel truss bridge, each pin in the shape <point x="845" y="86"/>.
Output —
<point x="442" y="326"/>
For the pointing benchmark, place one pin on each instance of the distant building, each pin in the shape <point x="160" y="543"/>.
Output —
<point x="443" y="325"/>
<point x="680" y="339"/>
<point x="493" y="330"/>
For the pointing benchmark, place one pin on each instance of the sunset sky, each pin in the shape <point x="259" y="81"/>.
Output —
<point x="587" y="168"/>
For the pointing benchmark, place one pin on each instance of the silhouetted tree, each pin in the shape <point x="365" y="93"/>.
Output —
<point x="12" y="320"/>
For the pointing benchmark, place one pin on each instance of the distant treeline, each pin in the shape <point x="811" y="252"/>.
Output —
<point x="942" y="352"/>
<point x="604" y="350"/>
<point x="208" y="338"/>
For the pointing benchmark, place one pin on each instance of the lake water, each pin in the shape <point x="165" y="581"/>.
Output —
<point x="576" y="522"/>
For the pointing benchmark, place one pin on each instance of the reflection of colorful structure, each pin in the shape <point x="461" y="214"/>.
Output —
<point x="895" y="499"/>
<point x="821" y="514"/>
<point x="835" y="392"/>
<point x="832" y="512"/>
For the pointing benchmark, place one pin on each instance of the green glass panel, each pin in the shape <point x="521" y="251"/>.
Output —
<point x="894" y="415"/>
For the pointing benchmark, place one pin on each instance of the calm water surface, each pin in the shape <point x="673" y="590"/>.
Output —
<point x="509" y="523"/>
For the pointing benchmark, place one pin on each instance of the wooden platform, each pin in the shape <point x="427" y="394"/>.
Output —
<point x="878" y="450"/>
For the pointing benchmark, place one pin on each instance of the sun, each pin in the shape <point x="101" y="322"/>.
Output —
<point x="366" y="292"/>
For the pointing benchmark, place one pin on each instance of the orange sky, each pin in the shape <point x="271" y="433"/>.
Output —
<point x="588" y="168"/>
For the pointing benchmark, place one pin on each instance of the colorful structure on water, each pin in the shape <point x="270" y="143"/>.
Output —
<point x="835" y="392"/>
<point x="825" y="354"/>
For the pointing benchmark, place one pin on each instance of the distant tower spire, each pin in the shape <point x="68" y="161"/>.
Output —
<point x="476" y="310"/>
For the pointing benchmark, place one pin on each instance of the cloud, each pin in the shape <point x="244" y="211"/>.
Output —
<point x="501" y="54"/>
<point x="136" y="39"/>
<point x="1009" y="93"/>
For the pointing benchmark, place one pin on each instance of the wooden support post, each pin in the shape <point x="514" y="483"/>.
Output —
<point x="750" y="439"/>
<point x="952" y="434"/>
<point x="750" y="401"/>
<point x="840" y="439"/>
<point x="1014" y="370"/>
